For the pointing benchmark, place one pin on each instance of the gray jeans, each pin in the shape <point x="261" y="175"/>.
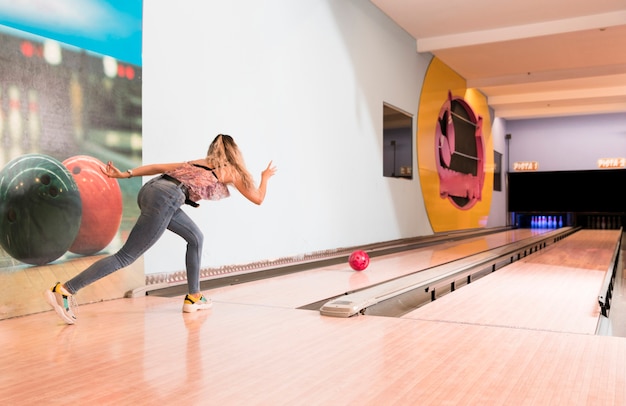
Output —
<point x="159" y="201"/>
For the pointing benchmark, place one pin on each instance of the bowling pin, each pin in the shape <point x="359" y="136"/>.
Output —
<point x="15" y="123"/>
<point x="77" y="105"/>
<point x="34" y="123"/>
<point x="4" y="157"/>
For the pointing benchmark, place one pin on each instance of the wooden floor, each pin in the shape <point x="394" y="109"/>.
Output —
<point x="17" y="278"/>
<point x="517" y="345"/>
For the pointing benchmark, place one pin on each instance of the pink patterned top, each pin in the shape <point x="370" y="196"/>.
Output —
<point x="201" y="181"/>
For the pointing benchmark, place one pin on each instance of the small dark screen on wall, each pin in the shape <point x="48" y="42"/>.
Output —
<point x="497" y="171"/>
<point x="571" y="191"/>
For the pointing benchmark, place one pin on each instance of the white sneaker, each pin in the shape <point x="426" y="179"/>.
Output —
<point x="64" y="305"/>
<point x="191" y="305"/>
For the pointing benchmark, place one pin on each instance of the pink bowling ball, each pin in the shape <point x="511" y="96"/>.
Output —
<point x="359" y="260"/>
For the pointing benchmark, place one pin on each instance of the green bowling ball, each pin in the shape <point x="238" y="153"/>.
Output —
<point x="40" y="209"/>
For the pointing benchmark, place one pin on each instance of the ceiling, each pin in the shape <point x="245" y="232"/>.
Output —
<point x="531" y="58"/>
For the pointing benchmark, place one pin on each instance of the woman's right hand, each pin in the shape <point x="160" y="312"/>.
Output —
<point x="256" y="194"/>
<point x="268" y="172"/>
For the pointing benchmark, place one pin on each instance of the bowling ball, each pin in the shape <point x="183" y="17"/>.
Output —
<point x="40" y="209"/>
<point x="101" y="198"/>
<point x="359" y="260"/>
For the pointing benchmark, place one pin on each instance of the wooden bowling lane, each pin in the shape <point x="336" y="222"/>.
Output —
<point x="555" y="289"/>
<point x="302" y="288"/>
<point x="144" y="351"/>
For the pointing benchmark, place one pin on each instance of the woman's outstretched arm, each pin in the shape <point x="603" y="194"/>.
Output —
<point x="256" y="194"/>
<point x="146" y="170"/>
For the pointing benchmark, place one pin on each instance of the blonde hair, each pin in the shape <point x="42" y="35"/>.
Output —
<point x="224" y="154"/>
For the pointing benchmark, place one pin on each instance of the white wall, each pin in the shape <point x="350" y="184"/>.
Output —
<point x="568" y="143"/>
<point x="498" y="213"/>
<point x="299" y="82"/>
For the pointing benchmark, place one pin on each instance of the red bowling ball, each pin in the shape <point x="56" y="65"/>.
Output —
<point x="101" y="198"/>
<point x="359" y="260"/>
